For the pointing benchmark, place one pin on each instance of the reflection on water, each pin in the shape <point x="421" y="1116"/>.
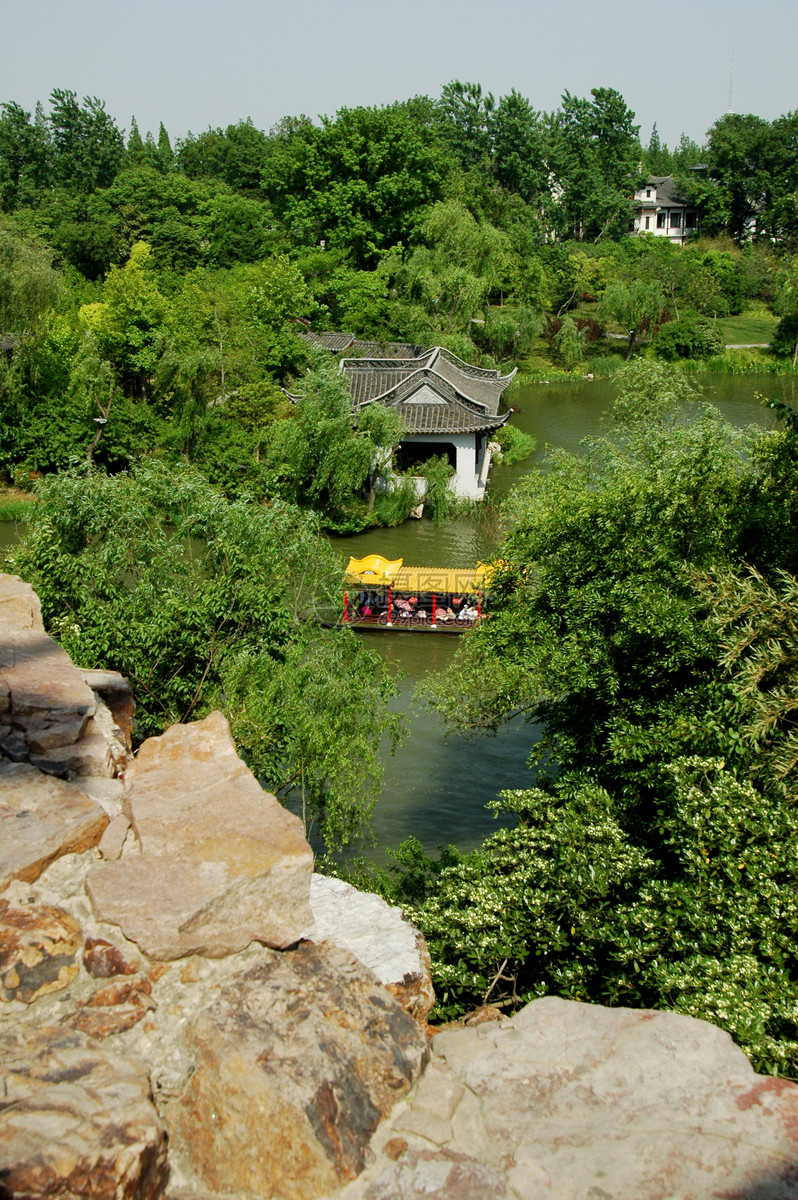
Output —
<point x="436" y="787"/>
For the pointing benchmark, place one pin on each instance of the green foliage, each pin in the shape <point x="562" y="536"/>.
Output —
<point x="691" y="336"/>
<point x="515" y="444"/>
<point x="654" y="863"/>
<point x="439" y="499"/>
<point x="570" y="343"/>
<point x="634" y="306"/>
<point x="200" y="603"/>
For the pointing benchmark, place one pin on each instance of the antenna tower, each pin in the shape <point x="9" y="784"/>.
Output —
<point x="731" y="86"/>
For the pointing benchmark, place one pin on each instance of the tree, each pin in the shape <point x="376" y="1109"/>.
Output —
<point x="319" y="459"/>
<point x="594" y="154"/>
<point x="787" y="301"/>
<point x="654" y="861"/>
<point x="88" y="148"/>
<point x="518" y="148"/>
<point x="25" y="163"/>
<point x="466" y="121"/>
<point x="632" y="305"/>
<point x="361" y="181"/>
<point x="204" y="603"/>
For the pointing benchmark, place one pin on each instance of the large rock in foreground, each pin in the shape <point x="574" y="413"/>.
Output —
<point x="76" y="1121"/>
<point x="295" y="1068"/>
<point x="572" y="1100"/>
<point x="221" y="862"/>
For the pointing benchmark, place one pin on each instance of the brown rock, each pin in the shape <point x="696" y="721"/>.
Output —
<point x="102" y="959"/>
<point x="76" y="1122"/>
<point x="42" y="681"/>
<point x="222" y="863"/>
<point x="90" y="755"/>
<point x="111" y="1009"/>
<point x="38" y="949"/>
<point x="309" y="1047"/>
<point x="42" y="818"/>
<point x="122" y="991"/>
<point x="117" y="693"/>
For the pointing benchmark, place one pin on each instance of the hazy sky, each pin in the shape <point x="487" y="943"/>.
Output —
<point x="195" y="63"/>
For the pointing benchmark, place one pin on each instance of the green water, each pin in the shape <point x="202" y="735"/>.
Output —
<point x="435" y="787"/>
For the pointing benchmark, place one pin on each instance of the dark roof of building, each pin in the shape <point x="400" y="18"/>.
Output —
<point x="435" y="393"/>
<point x="335" y="342"/>
<point x="338" y="343"/>
<point x="667" y="194"/>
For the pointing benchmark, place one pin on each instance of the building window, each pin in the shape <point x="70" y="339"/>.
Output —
<point x="660" y="220"/>
<point x="648" y="193"/>
<point x="690" y="221"/>
<point x="676" y="220"/>
<point x="648" y="222"/>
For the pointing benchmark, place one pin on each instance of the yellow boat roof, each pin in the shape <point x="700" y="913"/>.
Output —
<point x="380" y="572"/>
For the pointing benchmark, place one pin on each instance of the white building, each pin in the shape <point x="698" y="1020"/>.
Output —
<point x="661" y="211"/>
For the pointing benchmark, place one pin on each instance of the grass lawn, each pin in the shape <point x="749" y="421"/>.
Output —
<point x="747" y="329"/>
<point x="14" y="504"/>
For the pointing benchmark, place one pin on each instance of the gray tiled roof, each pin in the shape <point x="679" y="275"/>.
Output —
<point x="667" y="194"/>
<point x="335" y="342"/>
<point x="376" y="378"/>
<point x="435" y="393"/>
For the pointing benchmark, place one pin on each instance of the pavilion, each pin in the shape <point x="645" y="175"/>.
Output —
<point x="448" y="406"/>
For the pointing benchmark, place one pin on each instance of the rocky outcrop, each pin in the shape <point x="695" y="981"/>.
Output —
<point x="295" y="1068"/>
<point x="39" y="945"/>
<point x="76" y="1121"/>
<point x="379" y="936"/>
<point x="218" y="862"/>
<point x="49" y="715"/>
<point x="153" y="1044"/>
<point x="574" y="1100"/>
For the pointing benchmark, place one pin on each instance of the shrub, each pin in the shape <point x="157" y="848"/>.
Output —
<point x="691" y="336"/>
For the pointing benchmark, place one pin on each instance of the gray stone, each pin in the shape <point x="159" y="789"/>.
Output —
<point x="572" y="1101"/>
<point x="378" y="934"/>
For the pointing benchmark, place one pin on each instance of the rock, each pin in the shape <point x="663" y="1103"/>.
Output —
<point x="43" y="684"/>
<point x="221" y="862"/>
<point x="573" y="1100"/>
<point x="377" y="934"/>
<point x="39" y="944"/>
<point x="103" y="960"/>
<point x="41" y="819"/>
<point x="111" y="1009"/>
<point x="90" y="755"/>
<point x="76" y="1121"/>
<point x="447" y="1175"/>
<point x="117" y="693"/>
<point x="20" y="607"/>
<point x="295" y="1067"/>
<point x="113" y="839"/>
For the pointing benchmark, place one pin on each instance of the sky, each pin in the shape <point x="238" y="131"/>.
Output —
<point x="199" y="63"/>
